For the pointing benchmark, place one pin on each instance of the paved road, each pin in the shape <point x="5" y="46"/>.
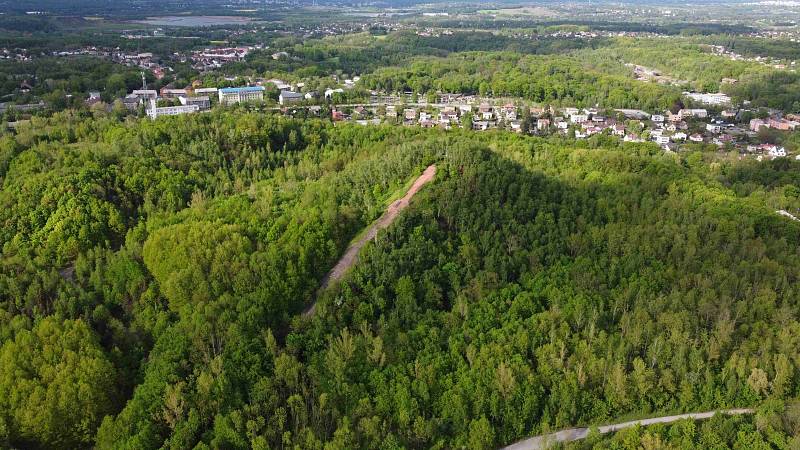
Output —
<point x="544" y="441"/>
<point x="351" y="255"/>
<point x="788" y="214"/>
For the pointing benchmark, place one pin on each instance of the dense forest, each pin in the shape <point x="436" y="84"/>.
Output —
<point x="152" y="275"/>
<point x="363" y="52"/>
<point x="557" y="80"/>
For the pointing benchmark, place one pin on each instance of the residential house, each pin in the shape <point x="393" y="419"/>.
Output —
<point x="509" y="112"/>
<point x="486" y="112"/>
<point x="757" y="124"/>
<point x="773" y="150"/>
<point x="329" y="92"/>
<point x="679" y="136"/>
<point x="480" y="125"/>
<point x="569" y="112"/>
<point x="783" y="124"/>
<point x="578" y="118"/>
<point x="542" y="124"/>
<point x="131" y="102"/>
<point x="94" y="97"/>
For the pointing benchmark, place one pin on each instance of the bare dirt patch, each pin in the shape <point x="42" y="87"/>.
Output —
<point x="351" y="255"/>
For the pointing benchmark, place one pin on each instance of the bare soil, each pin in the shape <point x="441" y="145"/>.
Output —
<point x="351" y="255"/>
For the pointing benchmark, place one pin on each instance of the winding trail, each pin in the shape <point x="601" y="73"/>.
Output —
<point x="351" y="255"/>
<point x="544" y="441"/>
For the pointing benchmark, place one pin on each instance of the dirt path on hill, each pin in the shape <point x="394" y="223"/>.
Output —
<point x="351" y="255"/>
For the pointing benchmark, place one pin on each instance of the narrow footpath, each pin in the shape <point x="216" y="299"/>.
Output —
<point x="351" y="255"/>
<point x="545" y="441"/>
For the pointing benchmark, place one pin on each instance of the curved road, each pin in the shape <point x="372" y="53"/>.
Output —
<point x="544" y="441"/>
<point x="351" y="255"/>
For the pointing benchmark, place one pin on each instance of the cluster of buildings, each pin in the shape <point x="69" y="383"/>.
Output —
<point x="190" y="100"/>
<point x="669" y="130"/>
<point x="213" y="58"/>
<point x="16" y="54"/>
<point x="789" y="123"/>
<point x="142" y="60"/>
<point x="718" y="99"/>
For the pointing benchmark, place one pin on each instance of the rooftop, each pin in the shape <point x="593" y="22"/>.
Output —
<point x="241" y="89"/>
<point x="290" y="94"/>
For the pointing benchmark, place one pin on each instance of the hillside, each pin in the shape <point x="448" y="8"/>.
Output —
<point x="153" y="275"/>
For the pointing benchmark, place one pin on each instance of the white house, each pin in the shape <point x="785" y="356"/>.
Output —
<point x="578" y="118"/>
<point x="679" y="136"/>
<point x="329" y="92"/>
<point x="776" y="152"/>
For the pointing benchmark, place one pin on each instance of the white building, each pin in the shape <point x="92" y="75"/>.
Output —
<point x="776" y="152"/>
<point x="329" y="92"/>
<point x="714" y="128"/>
<point x="145" y="95"/>
<point x="230" y="96"/>
<point x="173" y="93"/>
<point x="280" y="84"/>
<point x="718" y="99"/>
<point x="205" y="91"/>
<point x="679" y="136"/>
<point x="699" y="113"/>
<point x="578" y="118"/>
<point x="155" y="112"/>
<point x="202" y="102"/>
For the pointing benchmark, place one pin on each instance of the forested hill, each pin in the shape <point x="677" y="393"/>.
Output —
<point x="152" y="274"/>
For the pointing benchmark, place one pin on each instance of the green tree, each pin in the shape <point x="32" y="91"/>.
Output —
<point x="56" y="384"/>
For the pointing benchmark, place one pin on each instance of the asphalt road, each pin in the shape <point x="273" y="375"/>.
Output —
<point x="544" y="441"/>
